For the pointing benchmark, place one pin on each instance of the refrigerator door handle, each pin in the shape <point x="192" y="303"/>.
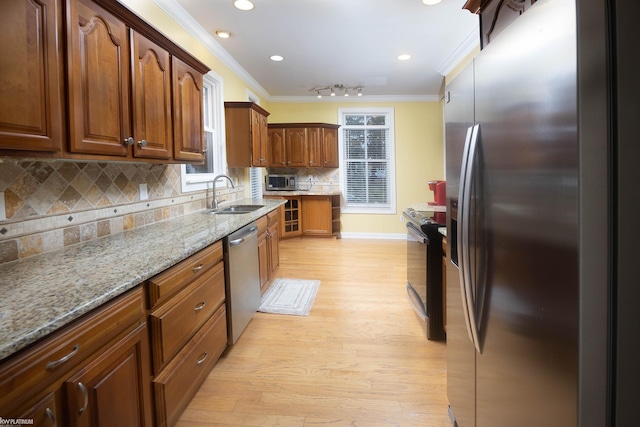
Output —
<point x="466" y="219"/>
<point x="462" y="226"/>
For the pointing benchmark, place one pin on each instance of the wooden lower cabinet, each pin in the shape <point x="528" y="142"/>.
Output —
<point x="316" y="215"/>
<point x="113" y="389"/>
<point x="95" y="371"/>
<point x="268" y="248"/>
<point x="188" y="326"/>
<point x="180" y="379"/>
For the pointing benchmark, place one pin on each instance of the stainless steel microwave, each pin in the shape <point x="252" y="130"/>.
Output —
<point x="281" y="182"/>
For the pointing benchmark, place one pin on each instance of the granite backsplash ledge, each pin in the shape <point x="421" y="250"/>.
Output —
<point x="54" y="204"/>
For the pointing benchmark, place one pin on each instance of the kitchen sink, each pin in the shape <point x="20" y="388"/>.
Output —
<point x="236" y="209"/>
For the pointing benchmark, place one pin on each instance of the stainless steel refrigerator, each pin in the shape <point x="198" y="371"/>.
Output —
<point x="542" y="169"/>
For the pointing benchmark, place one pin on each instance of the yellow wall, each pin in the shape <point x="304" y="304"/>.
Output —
<point x="419" y="153"/>
<point x="418" y="125"/>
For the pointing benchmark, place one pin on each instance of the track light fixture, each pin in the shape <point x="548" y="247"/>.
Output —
<point x="337" y="88"/>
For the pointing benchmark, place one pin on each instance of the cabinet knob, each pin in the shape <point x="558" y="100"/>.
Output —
<point x="142" y="143"/>
<point x="204" y="150"/>
<point x="128" y="141"/>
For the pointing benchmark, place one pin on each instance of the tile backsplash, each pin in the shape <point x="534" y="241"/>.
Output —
<point x="50" y="205"/>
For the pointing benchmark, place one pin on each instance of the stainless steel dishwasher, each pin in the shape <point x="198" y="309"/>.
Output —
<point x="242" y="279"/>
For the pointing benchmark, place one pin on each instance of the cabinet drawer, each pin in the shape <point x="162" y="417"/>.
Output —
<point x="50" y="359"/>
<point x="175" y="278"/>
<point x="262" y="224"/>
<point x="182" y="377"/>
<point x="274" y="216"/>
<point x="172" y="325"/>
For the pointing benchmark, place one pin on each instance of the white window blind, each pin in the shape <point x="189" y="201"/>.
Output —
<point x="367" y="152"/>
<point x="255" y="177"/>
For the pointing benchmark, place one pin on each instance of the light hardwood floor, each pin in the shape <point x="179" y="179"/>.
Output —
<point x="360" y="358"/>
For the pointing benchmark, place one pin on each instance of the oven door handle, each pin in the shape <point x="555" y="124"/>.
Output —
<point x="417" y="234"/>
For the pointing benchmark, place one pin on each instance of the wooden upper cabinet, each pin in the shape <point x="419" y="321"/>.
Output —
<point x="303" y="145"/>
<point x="314" y="146"/>
<point x="151" y="91"/>
<point x="295" y="143"/>
<point x="188" y="113"/>
<point x="31" y="85"/>
<point x="129" y="93"/>
<point x="98" y="76"/>
<point x="330" y="152"/>
<point x="276" y="150"/>
<point x="246" y="129"/>
<point x="258" y="139"/>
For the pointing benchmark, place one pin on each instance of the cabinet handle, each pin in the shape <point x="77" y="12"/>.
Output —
<point x="204" y="150"/>
<point x="199" y="306"/>
<point x="50" y="416"/>
<point x="128" y="141"/>
<point x="55" y="364"/>
<point x="142" y="143"/>
<point x="202" y="358"/>
<point x="85" y="396"/>
<point x="198" y="268"/>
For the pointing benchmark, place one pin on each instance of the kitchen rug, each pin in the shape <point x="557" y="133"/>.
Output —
<point x="289" y="296"/>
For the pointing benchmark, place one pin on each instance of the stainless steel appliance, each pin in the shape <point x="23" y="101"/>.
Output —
<point x="281" y="182"/>
<point x="242" y="279"/>
<point x="542" y="169"/>
<point x="424" y="270"/>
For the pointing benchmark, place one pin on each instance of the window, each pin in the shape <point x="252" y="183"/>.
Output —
<point x="367" y="174"/>
<point x="195" y="177"/>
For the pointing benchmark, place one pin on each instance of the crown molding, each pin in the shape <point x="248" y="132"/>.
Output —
<point x="358" y="99"/>
<point x="461" y="52"/>
<point x="190" y="25"/>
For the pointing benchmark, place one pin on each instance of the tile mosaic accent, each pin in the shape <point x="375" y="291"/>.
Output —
<point x="54" y="204"/>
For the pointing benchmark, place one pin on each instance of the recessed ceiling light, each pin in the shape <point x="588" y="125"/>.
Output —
<point x="223" y="34"/>
<point x="404" y="57"/>
<point x="276" y="58"/>
<point x="431" y="2"/>
<point x="243" y="4"/>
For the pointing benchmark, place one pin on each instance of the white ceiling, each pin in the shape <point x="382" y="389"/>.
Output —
<point x="328" y="42"/>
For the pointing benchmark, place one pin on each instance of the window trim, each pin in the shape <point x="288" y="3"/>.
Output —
<point x="372" y="209"/>
<point x="198" y="182"/>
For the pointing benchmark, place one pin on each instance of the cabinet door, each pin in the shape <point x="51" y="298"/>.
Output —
<point x="296" y="147"/>
<point x="98" y="70"/>
<point x="330" y="148"/>
<point x="258" y="139"/>
<point x="276" y="147"/>
<point x="31" y="100"/>
<point x="274" y="249"/>
<point x="263" y="261"/>
<point x="314" y="147"/>
<point x="151" y="92"/>
<point x="316" y="215"/>
<point x="291" y="218"/>
<point x="188" y="119"/>
<point x="115" y="388"/>
<point x="46" y="412"/>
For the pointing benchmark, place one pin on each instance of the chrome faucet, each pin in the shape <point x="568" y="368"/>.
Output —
<point x="214" y="201"/>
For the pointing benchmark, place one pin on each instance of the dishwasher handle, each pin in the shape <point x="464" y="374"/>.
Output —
<point x="252" y="231"/>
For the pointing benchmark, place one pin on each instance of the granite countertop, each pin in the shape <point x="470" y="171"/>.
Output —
<point x="46" y="292"/>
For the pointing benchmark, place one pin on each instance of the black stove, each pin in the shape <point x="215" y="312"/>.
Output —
<point x="424" y="270"/>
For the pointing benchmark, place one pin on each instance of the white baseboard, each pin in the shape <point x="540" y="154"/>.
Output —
<point x="381" y="236"/>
